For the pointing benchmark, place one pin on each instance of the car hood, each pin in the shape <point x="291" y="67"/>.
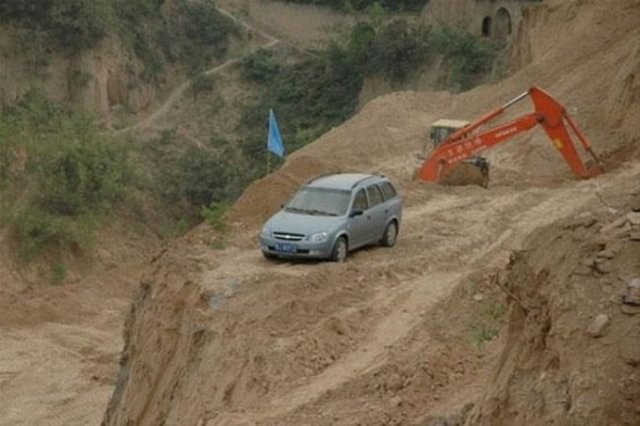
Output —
<point x="306" y="224"/>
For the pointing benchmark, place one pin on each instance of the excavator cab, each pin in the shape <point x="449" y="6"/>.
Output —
<point x="471" y="171"/>
<point x="441" y="129"/>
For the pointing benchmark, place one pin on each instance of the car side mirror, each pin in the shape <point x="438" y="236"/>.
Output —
<point x="355" y="213"/>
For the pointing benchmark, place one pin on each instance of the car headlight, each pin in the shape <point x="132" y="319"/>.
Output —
<point x="265" y="233"/>
<point x="320" y="237"/>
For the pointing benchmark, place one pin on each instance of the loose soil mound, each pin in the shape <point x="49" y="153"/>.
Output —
<point x="265" y="196"/>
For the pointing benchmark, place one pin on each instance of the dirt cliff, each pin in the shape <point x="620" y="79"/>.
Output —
<point x="558" y="365"/>
<point x="100" y="81"/>
<point x="418" y="334"/>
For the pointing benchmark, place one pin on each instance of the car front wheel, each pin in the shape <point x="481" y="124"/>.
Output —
<point x="340" y="248"/>
<point x="390" y="234"/>
<point x="269" y="256"/>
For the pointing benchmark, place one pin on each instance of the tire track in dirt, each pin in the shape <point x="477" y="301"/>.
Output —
<point x="414" y="299"/>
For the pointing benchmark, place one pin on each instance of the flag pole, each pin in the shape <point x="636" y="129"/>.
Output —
<point x="268" y="143"/>
<point x="268" y="162"/>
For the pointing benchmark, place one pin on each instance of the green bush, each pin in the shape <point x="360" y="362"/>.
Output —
<point x="200" y="175"/>
<point x="73" y="24"/>
<point x="38" y="229"/>
<point x="77" y="171"/>
<point x="79" y="24"/>
<point x="59" y="171"/>
<point x="398" y="50"/>
<point x="468" y="57"/>
<point x="204" y="176"/>
<point x="216" y="214"/>
<point x="199" y="34"/>
<point x="260" y="66"/>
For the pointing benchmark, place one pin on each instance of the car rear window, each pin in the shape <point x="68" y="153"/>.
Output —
<point x="388" y="190"/>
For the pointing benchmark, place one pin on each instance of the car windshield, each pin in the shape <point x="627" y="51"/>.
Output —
<point x="320" y="201"/>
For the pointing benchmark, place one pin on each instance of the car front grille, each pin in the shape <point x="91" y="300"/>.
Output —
<point x="286" y="236"/>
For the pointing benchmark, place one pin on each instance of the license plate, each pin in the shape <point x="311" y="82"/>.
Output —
<point x="286" y="248"/>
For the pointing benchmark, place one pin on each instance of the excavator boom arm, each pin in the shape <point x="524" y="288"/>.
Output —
<point x="554" y="123"/>
<point x="548" y="113"/>
<point x="451" y="153"/>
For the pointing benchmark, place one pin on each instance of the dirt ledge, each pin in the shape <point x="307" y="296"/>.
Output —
<point x="551" y="370"/>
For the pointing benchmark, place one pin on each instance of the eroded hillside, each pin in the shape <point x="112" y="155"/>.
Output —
<point x="478" y="315"/>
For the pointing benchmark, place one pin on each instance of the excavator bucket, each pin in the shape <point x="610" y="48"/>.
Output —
<point x="467" y="174"/>
<point x="473" y="171"/>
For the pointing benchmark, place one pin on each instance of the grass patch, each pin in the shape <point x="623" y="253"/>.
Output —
<point x="494" y="311"/>
<point x="216" y="216"/>
<point x="175" y="229"/>
<point x="58" y="272"/>
<point x="482" y="334"/>
<point x="488" y="324"/>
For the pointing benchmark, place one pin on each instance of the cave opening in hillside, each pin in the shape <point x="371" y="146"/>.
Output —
<point x="502" y="23"/>
<point x="486" y="26"/>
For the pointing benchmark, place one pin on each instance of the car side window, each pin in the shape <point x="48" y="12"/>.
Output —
<point x="360" y="201"/>
<point x="375" y="196"/>
<point x="388" y="190"/>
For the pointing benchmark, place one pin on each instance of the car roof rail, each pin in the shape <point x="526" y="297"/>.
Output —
<point x="373" y="175"/>
<point x="321" y="176"/>
<point x="363" y="179"/>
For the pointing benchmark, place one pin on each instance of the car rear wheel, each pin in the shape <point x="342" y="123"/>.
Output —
<point x="340" y="249"/>
<point x="390" y="234"/>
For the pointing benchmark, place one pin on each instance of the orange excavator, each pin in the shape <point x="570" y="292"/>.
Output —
<point x="458" y="141"/>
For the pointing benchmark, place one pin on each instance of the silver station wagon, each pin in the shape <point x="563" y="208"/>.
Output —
<point x="332" y="215"/>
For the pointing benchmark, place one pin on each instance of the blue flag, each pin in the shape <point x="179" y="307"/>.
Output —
<point x="274" y="142"/>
